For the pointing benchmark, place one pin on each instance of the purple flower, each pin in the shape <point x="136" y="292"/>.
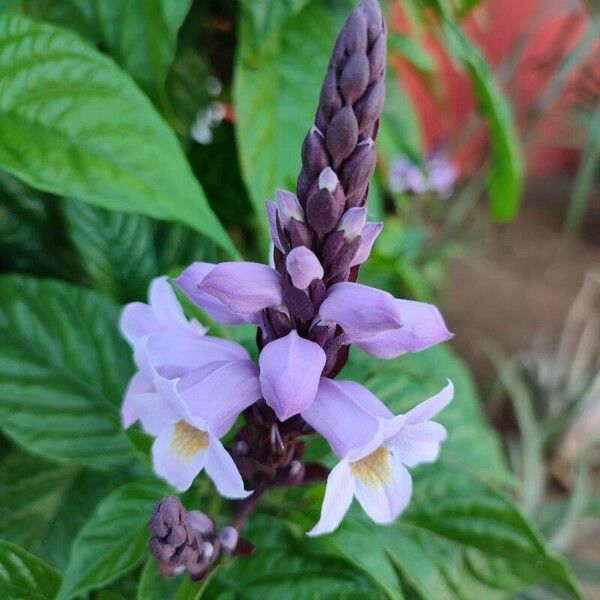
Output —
<point x="291" y="366"/>
<point x="375" y="447"/>
<point x="309" y="309"/>
<point x="438" y="175"/>
<point x="188" y="392"/>
<point x="442" y="174"/>
<point x="405" y="176"/>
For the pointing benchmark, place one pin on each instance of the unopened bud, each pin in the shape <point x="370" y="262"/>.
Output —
<point x="201" y="523"/>
<point x="328" y="180"/>
<point x="229" y="536"/>
<point x="303" y="267"/>
<point x="289" y="207"/>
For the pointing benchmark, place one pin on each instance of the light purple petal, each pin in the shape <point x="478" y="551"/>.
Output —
<point x="290" y="369"/>
<point x="340" y="413"/>
<point x="164" y="301"/>
<point x="384" y="436"/>
<point x="245" y="288"/>
<point x="217" y="393"/>
<point x="154" y="412"/>
<point x="422" y="327"/>
<point x="173" y="356"/>
<point x="360" y="310"/>
<point x="289" y="207"/>
<point x="223" y="471"/>
<point x="368" y="236"/>
<point x="163" y="312"/>
<point x="429" y="408"/>
<point x="303" y="267"/>
<point x="272" y="217"/>
<point x="337" y="500"/>
<point x="353" y="222"/>
<point x="138" y="384"/>
<point x="328" y="180"/>
<point x="385" y="491"/>
<point x="176" y="459"/>
<point x="188" y="283"/>
<point x="419" y="443"/>
<point x="420" y="439"/>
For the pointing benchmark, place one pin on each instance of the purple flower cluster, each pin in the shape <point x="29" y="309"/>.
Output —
<point x="191" y="387"/>
<point x="438" y="175"/>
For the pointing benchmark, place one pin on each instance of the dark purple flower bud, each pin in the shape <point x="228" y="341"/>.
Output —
<point x="323" y="210"/>
<point x="279" y="323"/>
<point x="317" y="291"/>
<point x="314" y="153"/>
<point x="369" y="107"/>
<point x="377" y="57"/>
<point x="330" y="101"/>
<point x="299" y="233"/>
<point x="354" y="33"/>
<point x="298" y="303"/>
<point x="372" y="13"/>
<point x="355" y="77"/>
<point x="358" y="171"/>
<point x="342" y="133"/>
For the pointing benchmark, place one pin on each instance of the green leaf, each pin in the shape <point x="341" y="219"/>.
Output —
<point x="78" y="503"/>
<point x="24" y="576"/>
<point x="43" y="505"/>
<point x="286" y="565"/>
<point x="459" y="538"/>
<point x="63" y="370"/>
<point x="412" y="50"/>
<point x="116" y="249"/>
<point x="410" y="379"/>
<point x="32" y="239"/>
<point x="31" y="493"/>
<point x="586" y="178"/>
<point x="268" y="16"/>
<point x="276" y="92"/>
<point x="400" y="132"/>
<point x="505" y="179"/>
<point x="74" y="124"/>
<point x="141" y="35"/>
<point x="114" y="541"/>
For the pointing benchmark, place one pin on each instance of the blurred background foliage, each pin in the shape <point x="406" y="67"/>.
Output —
<point x="139" y="136"/>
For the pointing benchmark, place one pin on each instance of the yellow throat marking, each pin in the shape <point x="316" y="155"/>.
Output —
<point x="374" y="470"/>
<point x="187" y="440"/>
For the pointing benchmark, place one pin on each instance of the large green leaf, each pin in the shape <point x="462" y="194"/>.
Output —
<point x="114" y="540"/>
<point x="276" y="92"/>
<point x="72" y="123"/>
<point x="24" y="576"/>
<point x="286" y="565"/>
<point x="63" y="370"/>
<point x="410" y="379"/>
<point x="141" y="35"/>
<point x="459" y="538"/>
<point x="32" y="239"/>
<point x="505" y="180"/>
<point x="268" y="16"/>
<point x="31" y="493"/>
<point x="116" y="249"/>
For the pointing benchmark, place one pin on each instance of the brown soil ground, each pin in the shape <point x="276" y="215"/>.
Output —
<point x="517" y="281"/>
<point x="520" y="279"/>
